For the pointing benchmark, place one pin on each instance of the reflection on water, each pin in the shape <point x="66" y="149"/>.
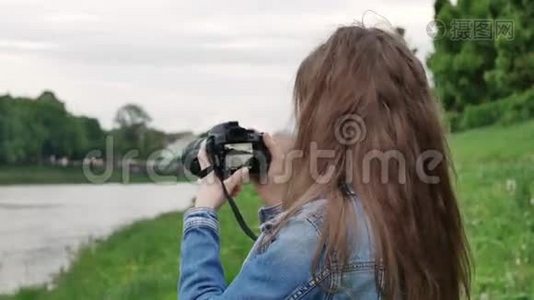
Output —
<point x="42" y="225"/>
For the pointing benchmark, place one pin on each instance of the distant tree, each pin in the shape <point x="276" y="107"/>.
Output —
<point x="31" y="130"/>
<point x="133" y="131"/>
<point x="95" y="135"/>
<point x="34" y="130"/>
<point x="458" y="65"/>
<point x="471" y="71"/>
<point x="49" y="96"/>
<point x="130" y="115"/>
<point x="514" y="62"/>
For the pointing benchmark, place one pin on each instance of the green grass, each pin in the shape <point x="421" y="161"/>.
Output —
<point x="495" y="183"/>
<point x="29" y="174"/>
<point x="495" y="168"/>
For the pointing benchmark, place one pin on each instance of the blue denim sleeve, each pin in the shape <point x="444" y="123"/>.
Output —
<point x="273" y="273"/>
<point x="201" y="273"/>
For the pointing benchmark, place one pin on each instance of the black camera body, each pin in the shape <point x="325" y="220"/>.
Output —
<point x="230" y="147"/>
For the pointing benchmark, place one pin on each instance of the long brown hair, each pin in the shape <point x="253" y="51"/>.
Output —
<point x="369" y="77"/>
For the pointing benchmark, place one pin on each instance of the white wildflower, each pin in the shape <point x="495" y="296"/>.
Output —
<point x="511" y="185"/>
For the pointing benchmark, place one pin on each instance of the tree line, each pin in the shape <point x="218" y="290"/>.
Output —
<point x="36" y="131"/>
<point x="483" y="62"/>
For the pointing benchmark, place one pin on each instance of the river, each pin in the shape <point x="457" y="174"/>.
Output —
<point x="42" y="226"/>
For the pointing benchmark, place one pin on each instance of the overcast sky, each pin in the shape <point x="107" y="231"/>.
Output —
<point x="190" y="64"/>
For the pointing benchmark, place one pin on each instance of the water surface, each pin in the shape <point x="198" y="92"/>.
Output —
<point x="41" y="226"/>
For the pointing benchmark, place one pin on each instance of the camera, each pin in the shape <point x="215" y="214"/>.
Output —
<point x="229" y="147"/>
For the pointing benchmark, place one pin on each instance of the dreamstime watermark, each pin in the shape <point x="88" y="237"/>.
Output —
<point x="384" y="166"/>
<point x="472" y="29"/>
<point x="350" y="129"/>
<point x="387" y="166"/>
<point x="99" y="168"/>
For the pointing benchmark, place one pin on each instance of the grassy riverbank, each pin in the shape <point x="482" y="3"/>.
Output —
<point x="495" y="168"/>
<point x="28" y="174"/>
<point x="141" y="260"/>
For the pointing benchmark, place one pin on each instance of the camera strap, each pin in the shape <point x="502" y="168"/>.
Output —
<point x="237" y="214"/>
<point x="205" y="172"/>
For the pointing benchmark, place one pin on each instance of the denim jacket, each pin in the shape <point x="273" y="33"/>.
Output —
<point x="281" y="269"/>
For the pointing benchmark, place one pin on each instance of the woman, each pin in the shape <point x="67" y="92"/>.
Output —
<point x="363" y="216"/>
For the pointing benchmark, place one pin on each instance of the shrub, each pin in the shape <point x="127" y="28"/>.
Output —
<point x="512" y="109"/>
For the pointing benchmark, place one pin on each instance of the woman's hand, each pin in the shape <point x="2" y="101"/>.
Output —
<point x="210" y="193"/>
<point x="271" y="191"/>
